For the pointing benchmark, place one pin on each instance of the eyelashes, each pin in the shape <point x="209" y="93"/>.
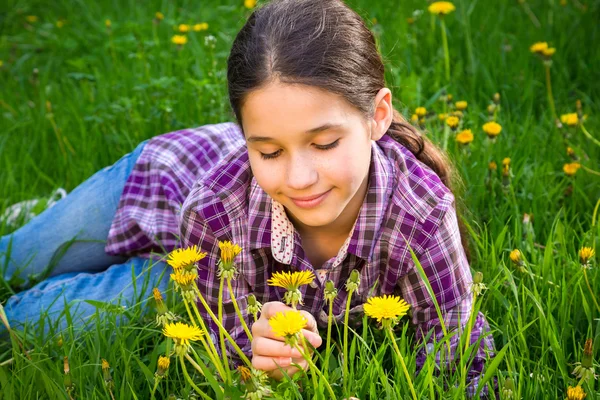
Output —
<point x="276" y="154"/>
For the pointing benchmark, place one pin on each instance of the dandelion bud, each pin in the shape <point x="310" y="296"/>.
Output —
<point x="229" y="251"/>
<point x="491" y="109"/>
<point x="106" y="372"/>
<point x="461" y="105"/>
<point x="163" y="366"/>
<point x="67" y="378"/>
<point x="59" y="342"/>
<point x="254" y="306"/>
<point x="517" y="259"/>
<point x="496" y="98"/>
<point x="508" y="389"/>
<point x="353" y="281"/>
<point x="330" y="291"/>
<point x="421" y="112"/>
<point x="585" y="255"/>
<point x="585" y="369"/>
<point x="492" y="166"/>
<point x="478" y="285"/>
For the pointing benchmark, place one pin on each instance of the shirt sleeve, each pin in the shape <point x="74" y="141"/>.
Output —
<point x="445" y="264"/>
<point x="198" y="228"/>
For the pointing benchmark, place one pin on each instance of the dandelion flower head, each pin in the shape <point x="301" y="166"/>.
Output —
<point x="288" y="324"/>
<point x="421" y="111"/>
<point x="575" y="393"/>
<point x="585" y="254"/>
<point x="570" y="119"/>
<point x="179" y="39"/>
<point x="441" y="8"/>
<point x="465" y="137"/>
<point x="182" y="333"/>
<point x="492" y="128"/>
<point x="229" y="251"/>
<point x="452" y="121"/>
<point x="461" y="105"/>
<point x="571" y="168"/>
<point x="181" y="258"/>
<point x="291" y="280"/>
<point x="386" y="307"/>
<point x="538" y="47"/>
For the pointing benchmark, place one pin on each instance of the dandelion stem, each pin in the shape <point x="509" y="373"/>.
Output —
<point x="327" y="348"/>
<point x="446" y="52"/>
<point x="189" y="379"/>
<point x="154" y="388"/>
<point x="312" y="370"/>
<point x="315" y="369"/>
<point x="212" y="351"/>
<point x="549" y="89"/>
<point x="408" y="379"/>
<point x="345" y="353"/>
<point x="221" y="328"/>
<point x="468" y="341"/>
<point x="589" y="136"/>
<point x="237" y="310"/>
<point x="221" y="336"/>
<point x="590" y="289"/>
<point x="187" y="307"/>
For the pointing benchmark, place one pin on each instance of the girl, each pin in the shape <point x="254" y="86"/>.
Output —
<point x="320" y="173"/>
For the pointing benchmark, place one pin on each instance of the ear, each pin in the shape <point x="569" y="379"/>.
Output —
<point x="384" y="112"/>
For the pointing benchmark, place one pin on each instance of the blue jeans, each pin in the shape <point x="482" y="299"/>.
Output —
<point x="67" y="242"/>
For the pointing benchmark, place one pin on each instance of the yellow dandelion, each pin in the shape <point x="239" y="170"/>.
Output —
<point x="492" y="166"/>
<point x="414" y="118"/>
<point x="249" y="3"/>
<point x="515" y="256"/>
<point x="181" y="258"/>
<point x="183" y="279"/>
<point x="291" y="280"/>
<point x="549" y="52"/>
<point x="183" y="28"/>
<point x="571" y="168"/>
<point x="465" y="137"/>
<point x="182" y="333"/>
<point x="452" y="121"/>
<point x="570" y="152"/>
<point x="386" y="307"/>
<point x="60" y="23"/>
<point x="442" y="117"/>
<point x="159" y="16"/>
<point x="506" y="162"/>
<point x="585" y="254"/>
<point x="163" y="363"/>
<point x="245" y="373"/>
<point x="107" y="23"/>
<point x="179" y="39"/>
<point x="229" y="251"/>
<point x="570" y="119"/>
<point x="421" y="111"/>
<point x="157" y="295"/>
<point x="457" y="113"/>
<point x="575" y="393"/>
<point x="31" y="19"/>
<point x="288" y="324"/>
<point x="105" y="365"/>
<point x="538" y="47"/>
<point x="461" y="105"/>
<point x="441" y="8"/>
<point x="492" y="129"/>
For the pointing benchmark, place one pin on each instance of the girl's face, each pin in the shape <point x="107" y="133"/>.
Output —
<point x="304" y="142"/>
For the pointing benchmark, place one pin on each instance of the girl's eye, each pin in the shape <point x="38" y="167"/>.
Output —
<point x="276" y="154"/>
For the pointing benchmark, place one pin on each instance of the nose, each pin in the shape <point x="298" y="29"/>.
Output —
<point x="301" y="173"/>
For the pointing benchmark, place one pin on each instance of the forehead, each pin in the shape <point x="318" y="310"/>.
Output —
<point x="283" y="108"/>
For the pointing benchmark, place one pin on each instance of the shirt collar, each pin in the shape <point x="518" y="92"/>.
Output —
<point x="269" y="225"/>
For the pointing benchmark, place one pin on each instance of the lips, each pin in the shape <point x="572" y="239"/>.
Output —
<point x="308" y="198"/>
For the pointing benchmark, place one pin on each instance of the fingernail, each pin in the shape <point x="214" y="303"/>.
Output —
<point x="284" y="361"/>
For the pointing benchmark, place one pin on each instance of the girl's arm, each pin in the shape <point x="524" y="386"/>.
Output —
<point x="445" y="264"/>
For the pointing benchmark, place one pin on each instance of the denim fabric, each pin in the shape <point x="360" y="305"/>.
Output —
<point x="66" y="243"/>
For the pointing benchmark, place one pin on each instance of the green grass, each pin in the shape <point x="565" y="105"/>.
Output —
<point x="99" y="92"/>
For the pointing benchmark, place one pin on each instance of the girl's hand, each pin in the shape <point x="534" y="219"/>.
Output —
<point x="270" y="352"/>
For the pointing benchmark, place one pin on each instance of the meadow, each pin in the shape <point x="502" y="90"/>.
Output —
<point x="82" y="83"/>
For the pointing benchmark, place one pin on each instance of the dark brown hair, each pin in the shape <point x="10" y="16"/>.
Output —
<point x="325" y="44"/>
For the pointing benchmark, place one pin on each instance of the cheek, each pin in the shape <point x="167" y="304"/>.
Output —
<point x="267" y="175"/>
<point x="347" y="171"/>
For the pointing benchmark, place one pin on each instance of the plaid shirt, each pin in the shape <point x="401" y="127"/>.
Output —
<point x="208" y="171"/>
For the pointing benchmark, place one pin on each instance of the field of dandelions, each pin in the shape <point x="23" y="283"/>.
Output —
<point x="508" y="88"/>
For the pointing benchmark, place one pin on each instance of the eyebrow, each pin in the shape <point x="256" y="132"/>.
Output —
<point x="312" y="131"/>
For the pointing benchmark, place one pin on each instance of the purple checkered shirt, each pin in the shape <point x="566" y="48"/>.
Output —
<point x="198" y="182"/>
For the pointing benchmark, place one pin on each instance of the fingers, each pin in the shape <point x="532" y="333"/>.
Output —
<point x="262" y="327"/>
<point x="264" y="346"/>
<point x="269" y="363"/>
